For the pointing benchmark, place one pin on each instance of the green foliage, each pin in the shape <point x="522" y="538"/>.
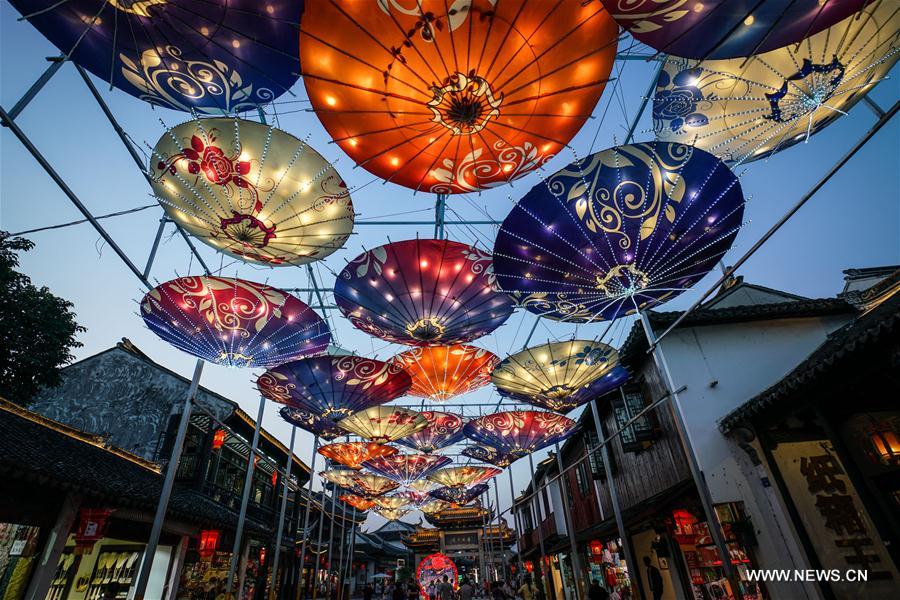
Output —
<point x="37" y="329"/>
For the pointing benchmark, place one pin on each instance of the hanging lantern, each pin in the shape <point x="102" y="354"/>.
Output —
<point x="357" y="502"/>
<point x="745" y="109"/>
<point x="323" y="428"/>
<point x="251" y="191"/>
<point x="422" y="293"/>
<point x="384" y="424"/>
<point x="371" y="486"/>
<point x="218" y="439"/>
<point x="333" y="387"/>
<point x="392" y="501"/>
<point x="454" y="98"/>
<point x="391" y="514"/>
<point x="233" y="322"/>
<point x="725" y="28"/>
<point x="406" y="468"/>
<point x="274" y="478"/>
<point x="444" y="429"/>
<point x="884" y="438"/>
<point x="519" y="433"/>
<point x="354" y="454"/>
<point x="209" y="543"/>
<point x="459" y="494"/>
<point x="440" y="373"/>
<point x="463" y="476"/>
<point x="262" y="556"/>
<point x="215" y="57"/>
<point x="489" y="455"/>
<point x="613" y="379"/>
<point x="435" y="506"/>
<point x="554" y="369"/>
<point x="339" y="477"/>
<point x="621" y="230"/>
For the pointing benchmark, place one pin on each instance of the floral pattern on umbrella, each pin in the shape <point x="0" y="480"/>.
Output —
<point x="463" y="476"/>
<point x="357" y="502"/>
<point x="489" y="455"/>
<point x="422" y="293"/>
<point x="458" y="494"/>
<point x="339" y="477"/>
<point x="384" y="424"/>
<point x="613" y="379"/>
<point x="519" y="433"/>
<point x="233" y="322"/>
<point x="354" y="454"/>
<point x="391" y="514"/>
<point x="391" y="501"/>
<point x="444" y="429"/>
<point x="369" y="485"/>
<point x="440" y="373"/>
<point x="406" y="468"/>
<point x="323" y="428"/>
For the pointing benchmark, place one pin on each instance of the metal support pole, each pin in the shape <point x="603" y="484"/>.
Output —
<point x="312" y="473"/>
<point x="284" y="497"/>
<point x="340" y="569"/>
<point x="570" y="526"/>
<point x="715" y="528"/>
<point x="162" y="225"/>
<point x="538" y="521"/>
<point x="439" y="210"/>
<point x="319" y="544"/>
<point x="37" y="86"/>
<point x="501" y="552"/>
<point x="168" y="483"/>
<point x="248" y="483"/>
<point x="614" y="495"/>
<point x="512" y="498"/>
<point x="873" y="106"/>
<point x="349" y="572"/>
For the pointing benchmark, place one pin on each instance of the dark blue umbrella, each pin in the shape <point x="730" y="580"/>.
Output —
<point x="459" y="494"/>
<point x="324" y="428"/>
<point x="624" y="229"/>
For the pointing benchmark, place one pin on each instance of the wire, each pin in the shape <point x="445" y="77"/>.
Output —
<point x="80" y="221"/>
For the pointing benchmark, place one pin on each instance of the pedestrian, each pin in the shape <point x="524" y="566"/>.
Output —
<point x="368" y="592"/>
<point x="431" y="590"/>
<point x="597" y="592"/>
<point x="528" y="591"/>
<point x="412" y="590"/>
<point x="398" y="593"/>
<point x="466" y="591"/>
<point x="654" y="579"/>
<point x="445" y="590"/>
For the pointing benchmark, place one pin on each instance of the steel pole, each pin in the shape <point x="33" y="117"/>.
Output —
<point x="340" y="569"/>
<point x="245" y="499"/>
<point x="570" y="526"/>
<point x="614" y="495"/>
<point x="538" y="520"/>
<point x="284" y="497"/>
<point x="168" y="483"/>
<point x="37" y="86"/>
<point x="319" y="543"/>
<point x="512" y="510"/>
<point x="500" y="551"/>
<point x="312" y="472"/>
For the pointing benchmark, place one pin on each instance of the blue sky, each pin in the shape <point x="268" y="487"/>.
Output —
<point x="854" y="221"/>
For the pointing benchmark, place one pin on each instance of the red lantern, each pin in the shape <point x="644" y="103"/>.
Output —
<point x="262" y="556"/>
<point x="209" y="543"/>
<point x="685" y="527"/>
<point x="219" y="439"/>
<point x="596" y="548"/>
<point x="529" y="566"/>
<point x="274" y="478"/>
<point x="92" y="524"/>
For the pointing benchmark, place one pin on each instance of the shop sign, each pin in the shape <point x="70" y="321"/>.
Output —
<point x="456" y="540"/>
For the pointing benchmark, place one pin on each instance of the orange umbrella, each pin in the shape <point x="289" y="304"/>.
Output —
<point x="357" y="502"/>
<point x="354" y="454"/>
<point x="453" y="97"/>
<point x="442" y="372"/>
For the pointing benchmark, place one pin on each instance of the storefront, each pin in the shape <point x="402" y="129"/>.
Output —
<point x="607" y="566"/>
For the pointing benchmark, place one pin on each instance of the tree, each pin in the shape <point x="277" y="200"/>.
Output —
<point x="37" y="329"/>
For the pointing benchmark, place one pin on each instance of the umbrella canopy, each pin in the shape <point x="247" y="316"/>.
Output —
<point x="251" y="191"/>
<point x="324" y="428"/>
<point x="458" y="494"/>
<point x="357" y="502"/>
<point x="489" y="455"/>
<point x="413" y="497"/>
<point x="624" y="229"/>
<point x="745" y="109"/>
<point x="334" y="387"/>
<point x="339" y="477"/>
<point x="726" y="28"/>
<point x="555" y="369"/>
<point x="435" y="506"/>
<point x="604" y="384"/>
<point x="392" y="514"/>
<point x="454" y="97"/>
<point x="406" y="468"/>
<point x="520" y="432"/>
<point x="421" y="485"/>
<point x="463" y="476"/>
<point x="444" y="429"/>
<point x="217" y="56"/>
<point x="392" y="501"/>
<point x="354" y="454"/>
<point x="370" y="486"/>
<point x="233" y="322"/>
<point x="440" y="373"/>
<point x="384" y="423"/>
<point x="422" y="293"/>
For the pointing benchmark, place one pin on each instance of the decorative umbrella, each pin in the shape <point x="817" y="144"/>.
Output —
<point x="624" y="229"/>
<point x="454" y="97"/>
<point x="334" y="386"/>
<point x="369" y="485"/>
<point x="435" y="506"/>
<point x="613" y="379"/>
<point x="726" y="28"/>
<point x="554" y="370"/>
<point x="463" y="476"/>
<point x="233" y="322"/>
<point x="339" y="477"/>
<point x="442" y="372"/>
<point x="422" y="293"/>
<point x="444" y="429"/>
<point x="406" y="468"/>
<point x="519" y="433"/>
<point x="392" y="514"/>
<point x="741" y="110"/>
<point x="251" y="191"/>
<point x="354" y="454"/>
<point x="215" y="56"/>
<point x="324" y="428"/>
<point x="413" y="497"/>
<point x="357" y="502"/>
<point x="489" y="455"/>
<point x="393" y="501"/>
<point x="458" y="494"/>
<point x="384" y="423"/>
<point x="422" y="485"/>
